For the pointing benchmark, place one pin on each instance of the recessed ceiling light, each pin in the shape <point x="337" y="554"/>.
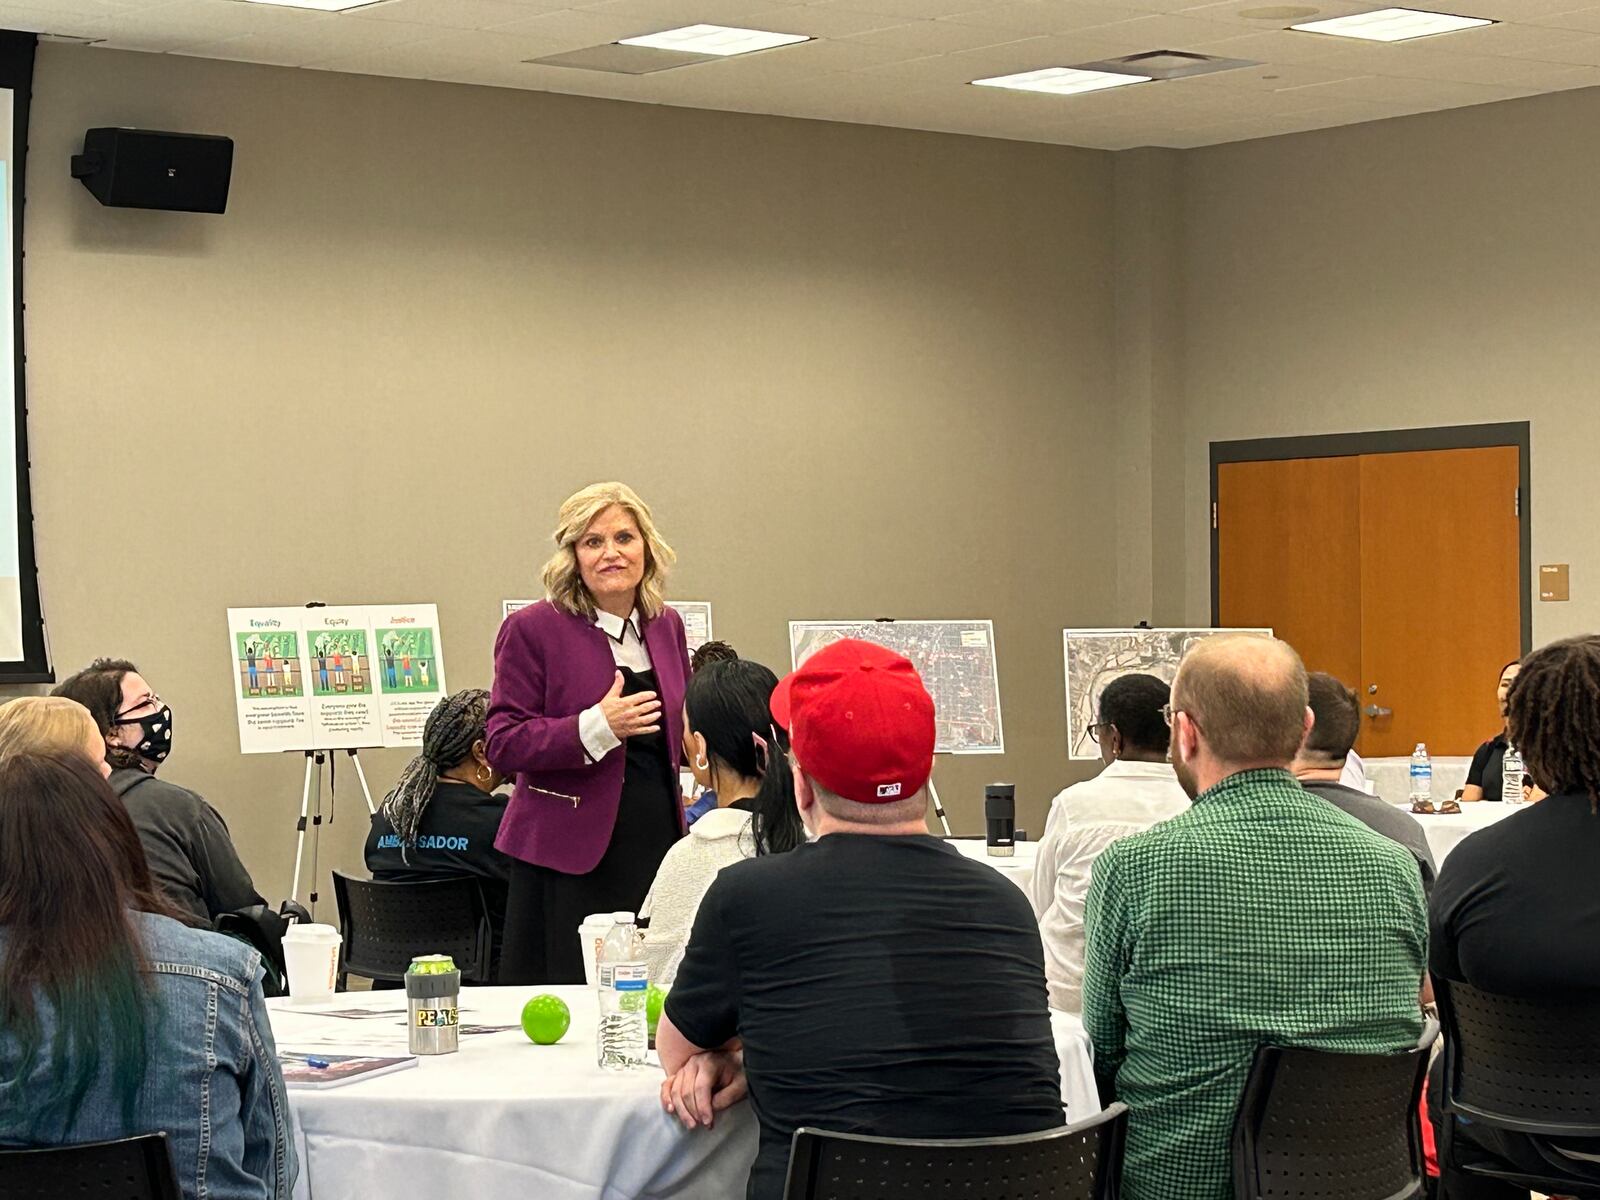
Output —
<point x="314" y="5"/>
<point x="721" y="40"/>
<point x="1061" y="81"/>
<point x="1393" y="25"/>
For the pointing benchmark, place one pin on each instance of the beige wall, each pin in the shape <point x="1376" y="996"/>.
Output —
<point x="858" y="371"/>
<point x="1435" y="270"/>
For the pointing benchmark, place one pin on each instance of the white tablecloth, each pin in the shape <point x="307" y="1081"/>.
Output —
<point x="1446" y="831"/>
<point x="1018" y="868"/>
<point x="1391" y="777"/>
<point x="504" y="1119"/>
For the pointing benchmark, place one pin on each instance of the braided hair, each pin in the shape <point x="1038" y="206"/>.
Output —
<point x="711" y="652"/>
<point x="455" y="723"/>
<point x="1551" y="714"/>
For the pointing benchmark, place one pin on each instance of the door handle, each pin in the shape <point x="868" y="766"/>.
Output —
<point x="1375" y="711"/>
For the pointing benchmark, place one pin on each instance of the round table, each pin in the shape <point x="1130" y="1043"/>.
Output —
<point x="504" y="1119"/>
<point x="1018" y="867"/>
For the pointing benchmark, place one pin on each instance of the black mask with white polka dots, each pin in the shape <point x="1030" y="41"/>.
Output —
<point x="156" y="742"/>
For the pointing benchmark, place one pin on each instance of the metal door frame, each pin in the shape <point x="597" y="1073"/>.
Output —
<point x="1393" y="441"/>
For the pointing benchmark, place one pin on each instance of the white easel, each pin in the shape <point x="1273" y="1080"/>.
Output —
<point x="313" y="816"/>
<point x="314" y="763"/>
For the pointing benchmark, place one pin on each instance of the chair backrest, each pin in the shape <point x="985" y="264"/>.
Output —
<point x="386" y="925"/>
<point x="1530" y="1066"/>
<point x="1315" y="1124"/>
<point x="1075" y="1162"/>
<point x="136" y="1168"/>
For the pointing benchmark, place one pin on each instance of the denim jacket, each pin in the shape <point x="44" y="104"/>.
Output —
<point x="212" y="1081"/>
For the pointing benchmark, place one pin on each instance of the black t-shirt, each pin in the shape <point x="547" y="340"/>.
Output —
<point x="456" y="837"/>
<point x="1515" y="910"/>
<point x="1488" y="766"/>
<point x="881" y="985"/>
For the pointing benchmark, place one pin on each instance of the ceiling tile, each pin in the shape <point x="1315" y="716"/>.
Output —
<point x="656" y="15"/>
<point x="1036" y="16"/>
<point x="314" y="40"/>
<point x="820" y="21"/>
<point x="938" y="37"/>
<point x="574" y="29"/>
<point x="1586" y="21"/>
<point x="38" y="19"/>
<point x="453" y="14"/>
<point x="1578" y="50"/>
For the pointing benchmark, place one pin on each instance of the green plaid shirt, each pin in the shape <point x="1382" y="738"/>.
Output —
<point x="1263" y="914"/>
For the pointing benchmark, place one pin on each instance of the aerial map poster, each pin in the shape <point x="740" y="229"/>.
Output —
<point x="1094" y="657"/>
<point x="955" y="660"/>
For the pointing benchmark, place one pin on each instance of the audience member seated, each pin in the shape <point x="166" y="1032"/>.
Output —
<point x="51" y="725"/>
<point x="1516" y="911"/>
<point x="1261" y="915"/>
<point x="186" y="841"/>
<point x="741" y="757"/>
<point x="440" y="819"/>
<point x="1319" y="766"/>
<point x="116" y="1020"/>
<point x="1487" y="772"/>
<point x="873" y="981"/>
<point x="1136" y="790"/>
<point x="699" y="805"/>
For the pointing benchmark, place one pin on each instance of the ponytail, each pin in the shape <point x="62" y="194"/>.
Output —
<point x="775" y="821"/>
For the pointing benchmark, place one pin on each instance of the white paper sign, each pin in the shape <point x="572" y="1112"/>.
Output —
<point x="270" y="684"/>
<point x="338" y="678"/>
<point x="696" y="616"/>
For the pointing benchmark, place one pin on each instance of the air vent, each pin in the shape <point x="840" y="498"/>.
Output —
<point x="1168" y="64"/>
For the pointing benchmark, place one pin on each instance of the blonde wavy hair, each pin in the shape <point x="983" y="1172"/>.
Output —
<point x="563" y="582"/>
<point x="46" y="725"/>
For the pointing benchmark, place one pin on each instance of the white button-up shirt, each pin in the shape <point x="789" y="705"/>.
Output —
<point x="627" y="650"/>
<point x="1125" y="798"/>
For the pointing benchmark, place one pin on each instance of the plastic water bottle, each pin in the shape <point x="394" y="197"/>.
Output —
<point x="1511" y="776"/>
<point x="1421" y="773"/>
<point x="623" y="1035"/>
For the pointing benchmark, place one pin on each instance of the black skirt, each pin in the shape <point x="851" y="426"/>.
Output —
<point x="544" y="907"/>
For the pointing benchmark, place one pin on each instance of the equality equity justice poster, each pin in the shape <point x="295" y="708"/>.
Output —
<point x="342" y="677"/>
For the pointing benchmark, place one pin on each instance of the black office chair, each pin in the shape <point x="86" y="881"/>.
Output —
<point x="1316" y="1124"/>
<point x="1528" y="1067"/>
<point x="136" y="1168"/>
<point x="1075" y="1162"/>
<point x="386" y="925"/>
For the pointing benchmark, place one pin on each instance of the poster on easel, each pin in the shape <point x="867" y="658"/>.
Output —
<point x="269" y="679"/>
<point x="346" y="677"/>
<point x="344" y="700"/>
<point x="409" y="664"/>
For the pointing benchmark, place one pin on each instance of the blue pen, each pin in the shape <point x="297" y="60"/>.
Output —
<point x="320" y="1064"/>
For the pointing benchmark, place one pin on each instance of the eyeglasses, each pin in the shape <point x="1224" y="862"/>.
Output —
<point x="1094" y="730"/>
<point x="152" y="701"/>
<point x="1167" y="713"/>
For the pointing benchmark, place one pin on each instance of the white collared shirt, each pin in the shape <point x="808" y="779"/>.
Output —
<point x="627" y="650"/>
<point x="1124" y="799"/>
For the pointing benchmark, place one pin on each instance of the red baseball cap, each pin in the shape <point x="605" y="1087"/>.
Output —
<point x="860" y="722"/>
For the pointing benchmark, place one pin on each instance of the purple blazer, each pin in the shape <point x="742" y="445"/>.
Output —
<point x="550" y="665"/>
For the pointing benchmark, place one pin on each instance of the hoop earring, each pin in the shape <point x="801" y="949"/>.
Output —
<point x="482" y="774"/>
<point x="700" y="764"/>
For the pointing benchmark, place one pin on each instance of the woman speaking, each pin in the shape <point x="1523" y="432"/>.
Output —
<point x="587" y="714"/>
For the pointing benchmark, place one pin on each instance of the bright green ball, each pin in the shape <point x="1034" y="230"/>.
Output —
<point x="546" y="1019"/>
<point x="654" y="1000"/>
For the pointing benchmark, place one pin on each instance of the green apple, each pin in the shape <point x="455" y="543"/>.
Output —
<point x="546" y="1019"/>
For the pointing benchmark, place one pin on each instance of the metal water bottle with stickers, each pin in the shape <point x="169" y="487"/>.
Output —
<point x="623" y="1036"/>
<point x="433" y="992"/>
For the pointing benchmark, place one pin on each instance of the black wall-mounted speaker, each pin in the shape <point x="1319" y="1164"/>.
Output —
<point x="142" y="168"/>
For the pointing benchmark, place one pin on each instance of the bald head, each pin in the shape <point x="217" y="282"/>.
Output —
<point x="1247" y="695"/>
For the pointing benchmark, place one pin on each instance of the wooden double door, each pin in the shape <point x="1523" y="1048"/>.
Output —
<point x="1399" y="573"/>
